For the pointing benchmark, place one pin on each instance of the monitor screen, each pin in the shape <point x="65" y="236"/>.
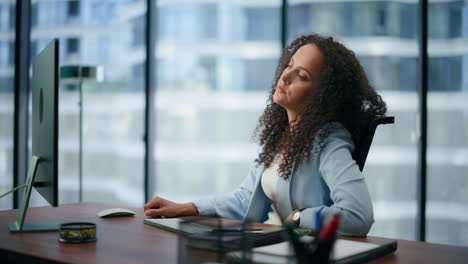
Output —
<point x="45" y="72"/>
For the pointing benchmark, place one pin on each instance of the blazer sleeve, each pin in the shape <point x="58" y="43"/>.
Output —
<point x="232" y="205"/>
<point x="348" y="189"/>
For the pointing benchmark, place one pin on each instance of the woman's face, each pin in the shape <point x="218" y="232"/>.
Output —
<point x="299" y="78"/>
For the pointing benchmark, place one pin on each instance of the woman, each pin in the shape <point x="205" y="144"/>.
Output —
<point x="319" y="105"/>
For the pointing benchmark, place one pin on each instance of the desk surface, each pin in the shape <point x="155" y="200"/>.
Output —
<point x="128" y="240"/>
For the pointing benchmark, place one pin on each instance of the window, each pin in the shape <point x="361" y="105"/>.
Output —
<point x="263" y="23"/>
<point x="215" y="62"/>
<point x="73" y="46"/>
<point x="381" y="25"/>
<point x="7" y="71"/>
<point x="447" y="199"/>
<point x="390" y="63"/>
<point x="445" y="73"/>
<point x="73" y="8"/>
<point x="101" y="33"/>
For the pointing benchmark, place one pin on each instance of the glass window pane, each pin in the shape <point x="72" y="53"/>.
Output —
<point x="447" y="205"/>
<point x="383" y="36"/>
<point x="109" y="34"/>
<point x="215" y="63"/>
<point x="7" y="71"/>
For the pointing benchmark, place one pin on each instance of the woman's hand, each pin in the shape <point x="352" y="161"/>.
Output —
<point x="161" y="207"/>
<point x="289" y="219"/>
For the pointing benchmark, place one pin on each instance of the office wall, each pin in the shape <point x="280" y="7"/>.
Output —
<point x="7" y="71"/>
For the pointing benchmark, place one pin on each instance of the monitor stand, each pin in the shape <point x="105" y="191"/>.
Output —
<point x="20" y="225"/>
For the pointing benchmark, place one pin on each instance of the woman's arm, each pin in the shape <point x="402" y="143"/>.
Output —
<point x="233" y="205"/>
<point x="159" y="206"/>
<point x="348" y="189"/>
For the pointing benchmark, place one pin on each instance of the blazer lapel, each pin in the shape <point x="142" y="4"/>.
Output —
<point x="258" y="200"/>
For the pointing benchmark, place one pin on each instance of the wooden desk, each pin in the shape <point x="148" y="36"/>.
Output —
<point x="128" y="240"/>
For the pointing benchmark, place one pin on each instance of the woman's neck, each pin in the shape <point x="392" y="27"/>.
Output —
<point x="293" y="117"/>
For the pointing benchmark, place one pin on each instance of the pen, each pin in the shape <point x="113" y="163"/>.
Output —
<point x="329" y="231"/>
<point x="318" y="220"/>
<point x="325" y="241"/>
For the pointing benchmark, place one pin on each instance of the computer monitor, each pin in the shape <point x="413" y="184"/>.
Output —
<point x="45" y="121"/>
<point x="43" y="170"/>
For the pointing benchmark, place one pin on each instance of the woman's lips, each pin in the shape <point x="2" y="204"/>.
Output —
<point x="281" y="89"/>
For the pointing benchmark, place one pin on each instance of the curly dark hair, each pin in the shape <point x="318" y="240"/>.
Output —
<point x="343" y="94"/>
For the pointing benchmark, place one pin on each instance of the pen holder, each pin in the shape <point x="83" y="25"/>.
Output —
<point x="309" y="250"/>
<point x="314" y="251"/>
<point x="322" y="251"/>
<point x="210" y="239"/>
<point x="193" y="241"/>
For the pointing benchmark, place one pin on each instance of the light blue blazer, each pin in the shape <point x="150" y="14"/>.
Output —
<point x="330" y="181"/>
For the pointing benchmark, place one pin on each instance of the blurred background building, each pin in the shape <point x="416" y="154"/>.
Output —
<point x="214" y="67"/>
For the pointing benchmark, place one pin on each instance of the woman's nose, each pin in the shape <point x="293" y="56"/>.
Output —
<point x="285" y="78"/>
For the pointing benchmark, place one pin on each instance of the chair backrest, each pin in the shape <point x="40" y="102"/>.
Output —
<point x="362" y="148"/>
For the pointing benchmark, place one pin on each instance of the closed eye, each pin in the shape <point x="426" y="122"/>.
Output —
<point x="304" y="76"/>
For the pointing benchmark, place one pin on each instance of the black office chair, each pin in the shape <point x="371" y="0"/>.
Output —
<point x="362" y="148"/>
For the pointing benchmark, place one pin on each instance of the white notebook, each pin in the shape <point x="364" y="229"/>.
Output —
<point x="170" y="224"/>
<point x="173" y="225"/>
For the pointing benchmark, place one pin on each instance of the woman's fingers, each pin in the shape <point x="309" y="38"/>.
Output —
<point x="156" y="202"/>
<point x="154" y="213"/>
<point x="158" y="207"/>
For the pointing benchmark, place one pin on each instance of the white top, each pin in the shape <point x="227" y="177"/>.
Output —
<point x="269" y="180"/>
